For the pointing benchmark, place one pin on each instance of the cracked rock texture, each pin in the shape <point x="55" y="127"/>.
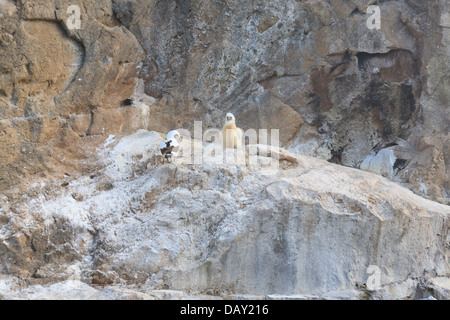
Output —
<point x="367" y="100"/>
<point x="335" y="89"/>
<point x="308" y="229"/>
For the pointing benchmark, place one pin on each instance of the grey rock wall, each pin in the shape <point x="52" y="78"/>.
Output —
<point x="312" y="228"/>
<point x="78" y="203"/>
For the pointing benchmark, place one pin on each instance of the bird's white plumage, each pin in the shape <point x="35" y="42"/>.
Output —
<point x="174" y="134"/>
<point x="173" y="142"/>
<point x="169" y="148"/>
<point x="232" y="136"/>
<point x="230" y="118"/>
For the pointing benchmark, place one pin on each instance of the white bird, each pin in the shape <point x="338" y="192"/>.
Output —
<point x="171" y="146"/>
<point x="232" y="135"/>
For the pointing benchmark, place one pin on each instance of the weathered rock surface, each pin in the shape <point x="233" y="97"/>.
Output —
<point x="60" y="86"/>
<point x="312" y="69"/>
<point x="376" y="100"/>
<point x="310" y="228"/>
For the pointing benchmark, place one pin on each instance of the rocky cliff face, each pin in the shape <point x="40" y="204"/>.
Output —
<point x="371" y="99"/>
<point x="308" y="228"/>
<point x="313" y="69"/>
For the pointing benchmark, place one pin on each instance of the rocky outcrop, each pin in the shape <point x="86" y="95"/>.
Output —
<point x="313" y="69"/>
<point x="310" y="228"/>
<point x="83" y="197"/>
<point x="59" y="85"/>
